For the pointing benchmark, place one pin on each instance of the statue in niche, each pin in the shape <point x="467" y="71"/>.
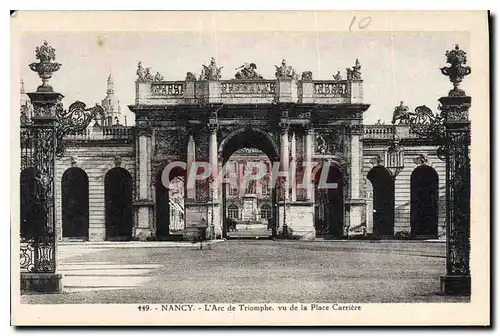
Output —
<point x="355" y="72"/>
<point x="247" y="71"/>
<point x="141" y="73"/>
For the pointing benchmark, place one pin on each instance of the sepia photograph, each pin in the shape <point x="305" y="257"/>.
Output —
<point x="220" y="166"/>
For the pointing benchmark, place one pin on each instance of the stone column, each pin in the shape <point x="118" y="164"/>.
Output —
<point x="143" y="203"/>
<point x="284" y="214"/>
<point x="308" y="151"/>
<point x="355" y="201"/>
<point x="285" y="158"/>
<point x="215" y="224"/>
<point x="293" y="159"/>
<point x="190" y="160"/>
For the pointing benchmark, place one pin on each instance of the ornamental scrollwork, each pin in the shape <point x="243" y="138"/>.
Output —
<point x="74" y="120"/>
<point x="423" y="122"/>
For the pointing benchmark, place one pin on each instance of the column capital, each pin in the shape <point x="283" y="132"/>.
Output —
<point x="284" y="126"/>
<point x="356" y="129"/>
<point x="213" y="126"/>
<point x="144" y="131"/>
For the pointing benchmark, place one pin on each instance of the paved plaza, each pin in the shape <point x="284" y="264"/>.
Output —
<point x="263" y="271"/>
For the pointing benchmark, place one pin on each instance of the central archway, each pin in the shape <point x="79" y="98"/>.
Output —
<point x="169" y="206"/>
<point x="257" y="145"/>
<point x="329" y="202"/>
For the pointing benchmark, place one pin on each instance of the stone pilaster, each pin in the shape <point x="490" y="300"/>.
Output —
<point x="355" y="201"/>
<point x="143" y="227"/>
<point x="308" y="152"/>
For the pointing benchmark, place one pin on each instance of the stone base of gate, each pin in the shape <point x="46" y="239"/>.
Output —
<point x="455" y="285"/>
<point x="41" y="283"/>
<point x="301" y="223"/>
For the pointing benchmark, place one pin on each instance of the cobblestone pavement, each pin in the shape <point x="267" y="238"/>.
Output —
<point x="251" y="271"/>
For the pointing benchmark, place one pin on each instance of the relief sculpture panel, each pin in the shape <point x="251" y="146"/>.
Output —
<point x="329" y="142"/>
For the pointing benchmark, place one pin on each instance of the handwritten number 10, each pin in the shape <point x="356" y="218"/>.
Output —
<point x="362" y="23"/>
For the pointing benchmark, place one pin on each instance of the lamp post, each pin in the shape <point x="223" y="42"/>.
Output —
<point x="394" y="156"/>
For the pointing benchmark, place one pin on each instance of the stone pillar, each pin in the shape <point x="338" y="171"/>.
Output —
<point x="355" y="202"/>
<point x="143" y="228"/>
<point x="215" y="222"/>
<point x="293" y="159"/>
<point x="457" y="279"/>
<point x="284" y="214"/>
<point x="43" y="277"/>
<point x="455" y="111"/>
<point x="38" y="268"/>
<point x="308" y="151"/>
<point x="191" y="158"/>
<point x="285" y="159"/>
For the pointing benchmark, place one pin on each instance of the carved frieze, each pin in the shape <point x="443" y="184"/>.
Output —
<point x="170" y="142"/>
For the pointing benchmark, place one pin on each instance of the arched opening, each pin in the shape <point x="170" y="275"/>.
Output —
<point x="118" y="199"/>
<point x="75" y="204"/>
<point x="242" y="150"/>
<point x="424" y="202"/>
<point x="33" y="216"/>
<point x="329" y="201"/>
<point x="169" y="206"/>
<point x="383" y="202"/>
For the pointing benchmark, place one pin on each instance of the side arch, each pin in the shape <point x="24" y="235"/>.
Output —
<point x="383" y="201"/>
<point x="424" y="202"/>
<point x="118" y="198"/>
<point x="75" y="203"/>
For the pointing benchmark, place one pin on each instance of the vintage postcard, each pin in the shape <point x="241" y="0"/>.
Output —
<point x="250" y="168"/>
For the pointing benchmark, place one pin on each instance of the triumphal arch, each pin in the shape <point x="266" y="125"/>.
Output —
<point x="295" y="119"/>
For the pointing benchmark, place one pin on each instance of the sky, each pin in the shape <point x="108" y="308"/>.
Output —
<point x="401" y="66"/>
